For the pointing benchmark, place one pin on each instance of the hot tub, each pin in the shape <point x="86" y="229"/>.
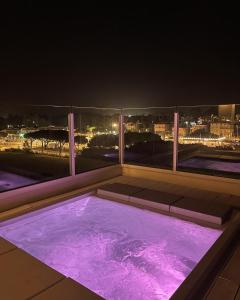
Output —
<point x="116" y="250"/>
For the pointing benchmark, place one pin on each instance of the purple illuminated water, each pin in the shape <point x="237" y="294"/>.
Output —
<point x="118" y="251"/>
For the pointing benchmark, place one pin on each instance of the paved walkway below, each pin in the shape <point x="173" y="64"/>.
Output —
<point x="227" y="284"/>
<point x="10" y="181"/>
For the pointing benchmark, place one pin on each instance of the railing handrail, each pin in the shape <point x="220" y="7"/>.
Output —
<point x="123" y="108"/>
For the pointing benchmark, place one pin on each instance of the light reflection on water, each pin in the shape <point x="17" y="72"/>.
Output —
<point x="118" y="251"/>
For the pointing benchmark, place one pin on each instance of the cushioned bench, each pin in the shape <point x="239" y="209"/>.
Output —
<point x="208" y="210"/>
<point x="118" y="190"/>
<point x="155" y="199"/>
<point x="205" y="210"/>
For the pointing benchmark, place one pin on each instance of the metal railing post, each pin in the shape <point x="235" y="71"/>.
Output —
<point x="71" y="144"/>
<point x="175" y="141"/>
<point x="121" y="139"/>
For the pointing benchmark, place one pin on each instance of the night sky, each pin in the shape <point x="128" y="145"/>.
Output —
<point x="119" y="55"/>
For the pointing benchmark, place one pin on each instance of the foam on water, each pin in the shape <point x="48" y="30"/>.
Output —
<point x="118" y="251"/>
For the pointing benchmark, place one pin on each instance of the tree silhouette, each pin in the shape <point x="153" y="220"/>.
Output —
<point x="104" y="140"/>
<point x="131" y="138"/>
<point x="80" y="139"/>
<point x="45" y="136"/>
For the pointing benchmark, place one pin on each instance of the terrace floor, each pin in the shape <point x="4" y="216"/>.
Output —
<point x="226" y="284"/>
<point x="24" y="277"/>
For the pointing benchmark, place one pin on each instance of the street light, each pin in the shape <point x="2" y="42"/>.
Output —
<point x="114" y="126"/>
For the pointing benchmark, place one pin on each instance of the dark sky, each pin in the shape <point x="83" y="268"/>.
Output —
<point x="119" y="55"/>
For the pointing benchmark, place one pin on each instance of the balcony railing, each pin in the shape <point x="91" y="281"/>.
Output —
<point x="40" y="143"/>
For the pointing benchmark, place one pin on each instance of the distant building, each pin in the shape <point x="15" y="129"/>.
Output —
<point x="198" y="127"/>
<point x="163" y="129"/>
<point x="133" y="126"/>
<point x="12" y="134"/>
<point x="52" y="127"/>
<point x="201" y="136"/>
<point x="222" y="129"/>
<point x="226" y="112"/>
<point x="25" y="130"/>
<point x="183" y="131"/>
<point x="206" y="141"/>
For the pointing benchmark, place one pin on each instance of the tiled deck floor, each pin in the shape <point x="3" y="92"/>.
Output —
<point x="24" y="277"/>
<point x="226" y="285"/>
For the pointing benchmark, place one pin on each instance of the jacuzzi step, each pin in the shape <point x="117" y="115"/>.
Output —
<point x="118" y="190"/>
<point x="204" y="210"/>
<point x="155" y="199"/>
